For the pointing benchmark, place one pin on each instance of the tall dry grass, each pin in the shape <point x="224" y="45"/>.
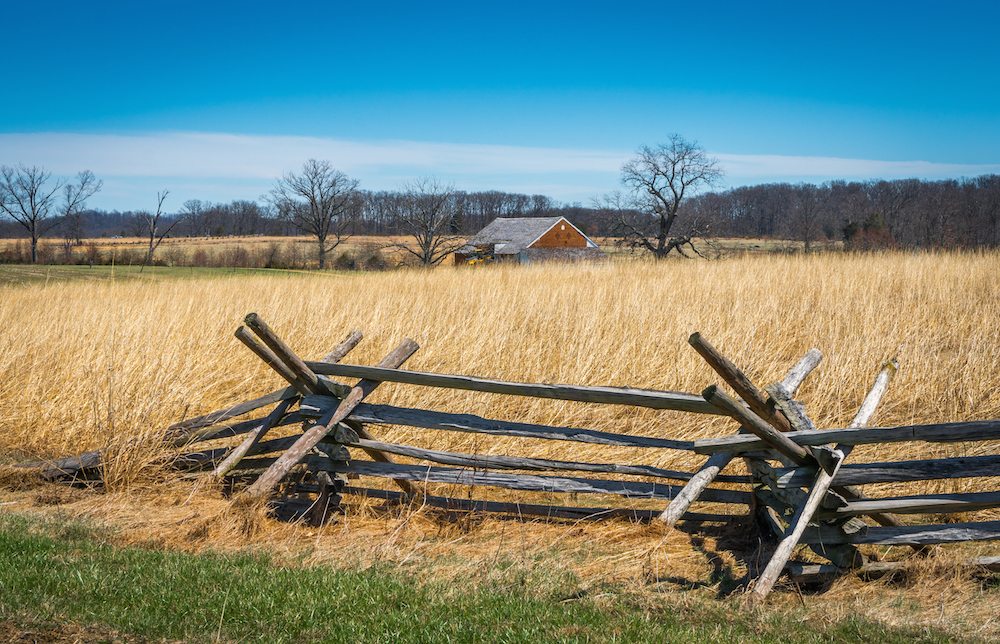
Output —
<point x="88" y="365"/>
<point x="109" y="364"/>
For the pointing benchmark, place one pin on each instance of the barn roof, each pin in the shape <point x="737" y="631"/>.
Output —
<point x="515" y="233"/>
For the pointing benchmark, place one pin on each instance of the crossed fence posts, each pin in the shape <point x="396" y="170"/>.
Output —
<point x="801" y="486"/>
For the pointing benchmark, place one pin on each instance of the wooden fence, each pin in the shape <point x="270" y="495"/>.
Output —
<point x="799" y="484"/>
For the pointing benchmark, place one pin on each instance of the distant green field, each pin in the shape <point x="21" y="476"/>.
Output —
<point x="62" y="577"/>
<point x="27" y="274"/>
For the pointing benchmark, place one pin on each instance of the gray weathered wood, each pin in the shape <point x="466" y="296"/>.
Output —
<point x="861" y="419"/>
<point x="255" y="436"/>
<point x="712" y="468"/>
<point x="289" y="366"/>
<point x="535" y="509"/>
<point x="796" y="527"/>
<point x="978" y="430"/>
<point x="819" y="490"/>
<point x="918" y="504"/>
<point x="809" y="573"/>
<point x="911" y="535"/>
<point x="757" y="425"/>
<point x="209" y="458"/>
<point x="530" y="482"/>
<point x="696" y="485"/>
<point x="609" y="395"/>
<point x="793" y="410"/>
<point x="497" y="462"/>
<point x="269" y="358"/>
<point x="181" y="428"/>
<point x="69" y="467"/>
<point x="346" y="345"/>
<point x="88" y="463"/>
<point x="217" y="432"/>
<point x="252" y="438"/>
<point x="304" y="379"/>
<point x="735" y="378"/>
<point x="898" y="471"/>
<point x="800" y="370"/>
<point x="316" y="406"/>
<point x="326" y="423"/>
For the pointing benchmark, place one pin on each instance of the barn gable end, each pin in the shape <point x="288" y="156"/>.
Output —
<point x="561" y="235"/>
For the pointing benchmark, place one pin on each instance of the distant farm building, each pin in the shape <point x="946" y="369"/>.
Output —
<point x="528" y="239"/>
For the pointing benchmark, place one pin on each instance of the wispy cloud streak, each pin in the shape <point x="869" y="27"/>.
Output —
<point x="221" y="166"/>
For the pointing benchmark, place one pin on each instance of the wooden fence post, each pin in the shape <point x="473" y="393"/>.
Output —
<point x="255" y="436"/>
<point x="824" y="478"/>
<point x="238" y="452"/>
<point x="312" y="436"/>
<point x="757" y="425"/>
<point x="731" y="374"/>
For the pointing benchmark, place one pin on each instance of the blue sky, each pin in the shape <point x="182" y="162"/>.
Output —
<point x="213" y="100"/>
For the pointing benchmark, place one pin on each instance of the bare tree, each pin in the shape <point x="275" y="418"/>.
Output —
<point x="28" y="196"/>
<point x="427" y="210"/>
<point x="156" y="228"/>
<point x="805" y="215"/>
<point x="658" y="180"/>
<point x="75" y="196"/>
<point x="317" y="201"/>
<point x="195" y="216"/>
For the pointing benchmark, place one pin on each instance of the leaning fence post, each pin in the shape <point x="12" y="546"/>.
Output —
<point x="280" y="468"/>
<point x="757" y="425"/>
<point x="824" y="478"/>
<point x="717" y="462"/>
<point x="248" y="443"/>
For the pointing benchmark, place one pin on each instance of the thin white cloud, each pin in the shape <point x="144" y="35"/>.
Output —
<point x="770" y="166"/>
<point x="198" y="154"/>
<point x="219" y="166"/>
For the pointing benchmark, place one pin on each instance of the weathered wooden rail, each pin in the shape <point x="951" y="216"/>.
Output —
<point x="799" y="485"/>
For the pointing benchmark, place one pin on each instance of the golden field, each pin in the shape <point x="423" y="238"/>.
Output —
<point x="299" y="252"/>
<point x="110" y="363"/>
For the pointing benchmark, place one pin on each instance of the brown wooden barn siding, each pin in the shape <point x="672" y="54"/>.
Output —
<point x="556" y="238"/>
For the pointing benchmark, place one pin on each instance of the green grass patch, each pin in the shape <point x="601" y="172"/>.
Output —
<point x="28" y="274"/>
<point x="56" y="574"/>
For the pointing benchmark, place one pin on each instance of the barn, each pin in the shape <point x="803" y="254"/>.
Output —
<point x="528" y="239"/>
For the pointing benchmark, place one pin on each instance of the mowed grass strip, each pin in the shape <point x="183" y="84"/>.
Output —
<point x="42" y="274"/>
<point x="53" y="575"/>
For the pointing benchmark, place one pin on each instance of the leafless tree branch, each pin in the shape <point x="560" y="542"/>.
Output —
<point x="317" y="201"/>
<point x="659" y="179"/>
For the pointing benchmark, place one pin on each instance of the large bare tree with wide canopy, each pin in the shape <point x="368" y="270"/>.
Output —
<point x="657" y="181"/>
<point x="317" y="201"/>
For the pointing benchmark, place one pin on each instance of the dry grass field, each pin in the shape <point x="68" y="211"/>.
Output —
<point x="109" y="363"/>
<point x="299" y="252"/>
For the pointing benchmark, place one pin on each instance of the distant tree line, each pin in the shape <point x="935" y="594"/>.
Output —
<point x="907" y="213"/>
<point x="660" y="210"/>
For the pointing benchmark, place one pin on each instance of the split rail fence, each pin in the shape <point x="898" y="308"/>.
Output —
<point x="799" y="484"/>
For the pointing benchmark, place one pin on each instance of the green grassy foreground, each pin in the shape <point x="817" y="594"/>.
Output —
<point x="55" y="575"/>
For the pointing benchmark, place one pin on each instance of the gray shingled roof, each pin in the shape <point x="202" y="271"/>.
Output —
<point x="514" y="233"/>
